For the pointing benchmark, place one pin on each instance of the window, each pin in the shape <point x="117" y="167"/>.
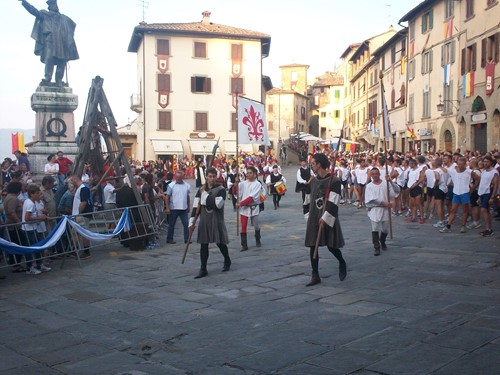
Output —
<point x="234" y="121"/>
<point x="270" y="125"/>
<point x="393" y="55"/>
<point x="162" y="47"/>
<point x="201" y="84"/>
<point x="200" y="50"/>
<point x="270" y="108"/>
<point x="201" y="121"/>
<point x="448" y="8"/>
<point x="337" y="114"/>
<point x="402" y="98"/>
<point x="411" y="109"/>
<point x="427" y="62"/>
<point x="337" y="94"/>
<point x="303" y="113"/>
<point x="469" y="9"/>
<point x="237" y="86"/>
<point x="447" y="97"/>
<point x="491" y="2"/>
<point x="412" y="30"/>
<point x="236" y="51"/>
<point x="382" y="63"/>
<point x="411" y="69"/>
<point x="468" y="59"/>
<point x="490" y="49"/>
<point x="163" y="82"/>
<point x="426" y="104"/>
<point x="393" y="98"/>
<point x="323" y="114"/>
<point x="165" y="120"/>
<point x="403" y="48"/>
<point x="448" y="53"/>
<point x="427" y="21"/>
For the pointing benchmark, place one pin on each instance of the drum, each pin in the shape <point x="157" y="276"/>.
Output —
<point x="280" y="187"/>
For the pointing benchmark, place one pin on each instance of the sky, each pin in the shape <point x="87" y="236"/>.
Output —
<point x="314" y="32"/>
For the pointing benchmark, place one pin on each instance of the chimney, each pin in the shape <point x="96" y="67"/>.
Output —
<point x="206" y="17"/>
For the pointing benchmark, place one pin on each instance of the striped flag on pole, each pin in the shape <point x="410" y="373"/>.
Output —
<point x="385" y="116"/>
<point x="17" y="141"/>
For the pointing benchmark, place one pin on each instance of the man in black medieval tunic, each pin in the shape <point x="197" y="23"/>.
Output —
<point x="209" y="203"/>
<point x="327" y="218"/>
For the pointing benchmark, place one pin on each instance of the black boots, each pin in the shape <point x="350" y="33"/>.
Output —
<point x="202" y="273"/>
<point x="383" y="236"/>
<point x="257" y="238"/>
<point x="203" y="260"/>
<point x="225" y="253"/>
<point x="315" y="279"/>
<point x="342" y="270"/>
<point x="376" y="243"/>
<point x="244" y="243"/>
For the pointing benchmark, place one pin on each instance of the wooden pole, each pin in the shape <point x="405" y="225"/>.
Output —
<point x="384" y="111"/>
<point x="237" y="178"/>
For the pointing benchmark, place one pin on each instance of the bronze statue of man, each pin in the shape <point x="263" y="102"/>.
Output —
<point x="55" y="44"/>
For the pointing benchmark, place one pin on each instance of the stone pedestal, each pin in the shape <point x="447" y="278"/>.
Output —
<point x="54" y="125"/>
<point x="54" y="108"/>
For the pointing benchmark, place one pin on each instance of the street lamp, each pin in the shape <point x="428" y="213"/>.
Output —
<point x="440" y="105"/>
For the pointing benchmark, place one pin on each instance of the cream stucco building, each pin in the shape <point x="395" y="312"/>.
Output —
<point x="188" y="78"/>
<point x="452" y="61"/>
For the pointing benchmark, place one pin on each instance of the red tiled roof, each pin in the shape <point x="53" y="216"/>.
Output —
<point x="199" y="28"/>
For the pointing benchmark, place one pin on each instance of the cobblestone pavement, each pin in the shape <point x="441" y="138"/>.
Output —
<point x="430" y="304"/>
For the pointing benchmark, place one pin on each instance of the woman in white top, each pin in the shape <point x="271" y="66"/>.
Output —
<point x="51" y="168"/>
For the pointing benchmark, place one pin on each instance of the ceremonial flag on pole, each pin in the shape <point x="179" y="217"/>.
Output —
<point x="385" y="114"/>
<point x="17" y="141"/>
<point x="252" y="127"/>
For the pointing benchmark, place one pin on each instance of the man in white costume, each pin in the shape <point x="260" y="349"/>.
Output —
<point x="378" y="202"/>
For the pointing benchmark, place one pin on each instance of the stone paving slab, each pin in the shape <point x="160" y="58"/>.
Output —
<point x="431" y="303"/>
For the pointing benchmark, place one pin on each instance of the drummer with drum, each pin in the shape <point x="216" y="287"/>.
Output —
<point x="277" y="185"/>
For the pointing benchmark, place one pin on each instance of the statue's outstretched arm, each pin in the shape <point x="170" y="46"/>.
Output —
<point x="31" y="9"/>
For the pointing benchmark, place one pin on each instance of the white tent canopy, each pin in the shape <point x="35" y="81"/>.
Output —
<point x="336" y="140"/>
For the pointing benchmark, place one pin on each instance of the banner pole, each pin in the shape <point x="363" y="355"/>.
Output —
<point x="237" y="178"/>
<point x="385" y="125"/>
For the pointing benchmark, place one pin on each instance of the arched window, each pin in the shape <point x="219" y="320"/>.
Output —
<point x="448" y="141"/>
<point x="402" y="98"/>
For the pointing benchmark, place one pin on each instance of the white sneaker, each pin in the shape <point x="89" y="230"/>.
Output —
<point x="462" y="229"/>
<point x="33" y="271"/>
<point x="439" y="224"/>
<point x="431" y="216"/>
<point x="445" y="230"/>
<point x="44" y="268"/>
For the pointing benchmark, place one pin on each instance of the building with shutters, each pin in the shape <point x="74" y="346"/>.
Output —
<point x="188" y="78"/>
<point x="452" y="66"/>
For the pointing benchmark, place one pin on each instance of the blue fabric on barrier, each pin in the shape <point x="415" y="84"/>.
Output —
<point x="58" y="231"/>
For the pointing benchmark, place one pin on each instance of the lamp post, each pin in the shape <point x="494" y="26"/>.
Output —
<point x="440" y="105"/>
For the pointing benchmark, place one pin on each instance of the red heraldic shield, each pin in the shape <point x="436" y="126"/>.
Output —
<point x="163" y="97"/>
<point x="490" y="78"/>
<point x="162" y="63"/>
<point x="236" y="68"/>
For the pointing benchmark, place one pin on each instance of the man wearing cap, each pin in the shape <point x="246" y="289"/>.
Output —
<point x="53" y="33"/>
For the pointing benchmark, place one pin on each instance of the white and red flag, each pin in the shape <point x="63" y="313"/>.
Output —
<point x="385" y="116"/>
<point x="252" y="127"/>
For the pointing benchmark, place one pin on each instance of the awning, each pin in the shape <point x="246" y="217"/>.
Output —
<point x="167" y="146"/>
<point x="230" y="147"/>
<point x="345" y="141"/>
<point x="201" y="147"/>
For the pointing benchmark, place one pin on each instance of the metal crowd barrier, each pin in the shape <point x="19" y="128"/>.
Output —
<point x="143" y="227"/>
